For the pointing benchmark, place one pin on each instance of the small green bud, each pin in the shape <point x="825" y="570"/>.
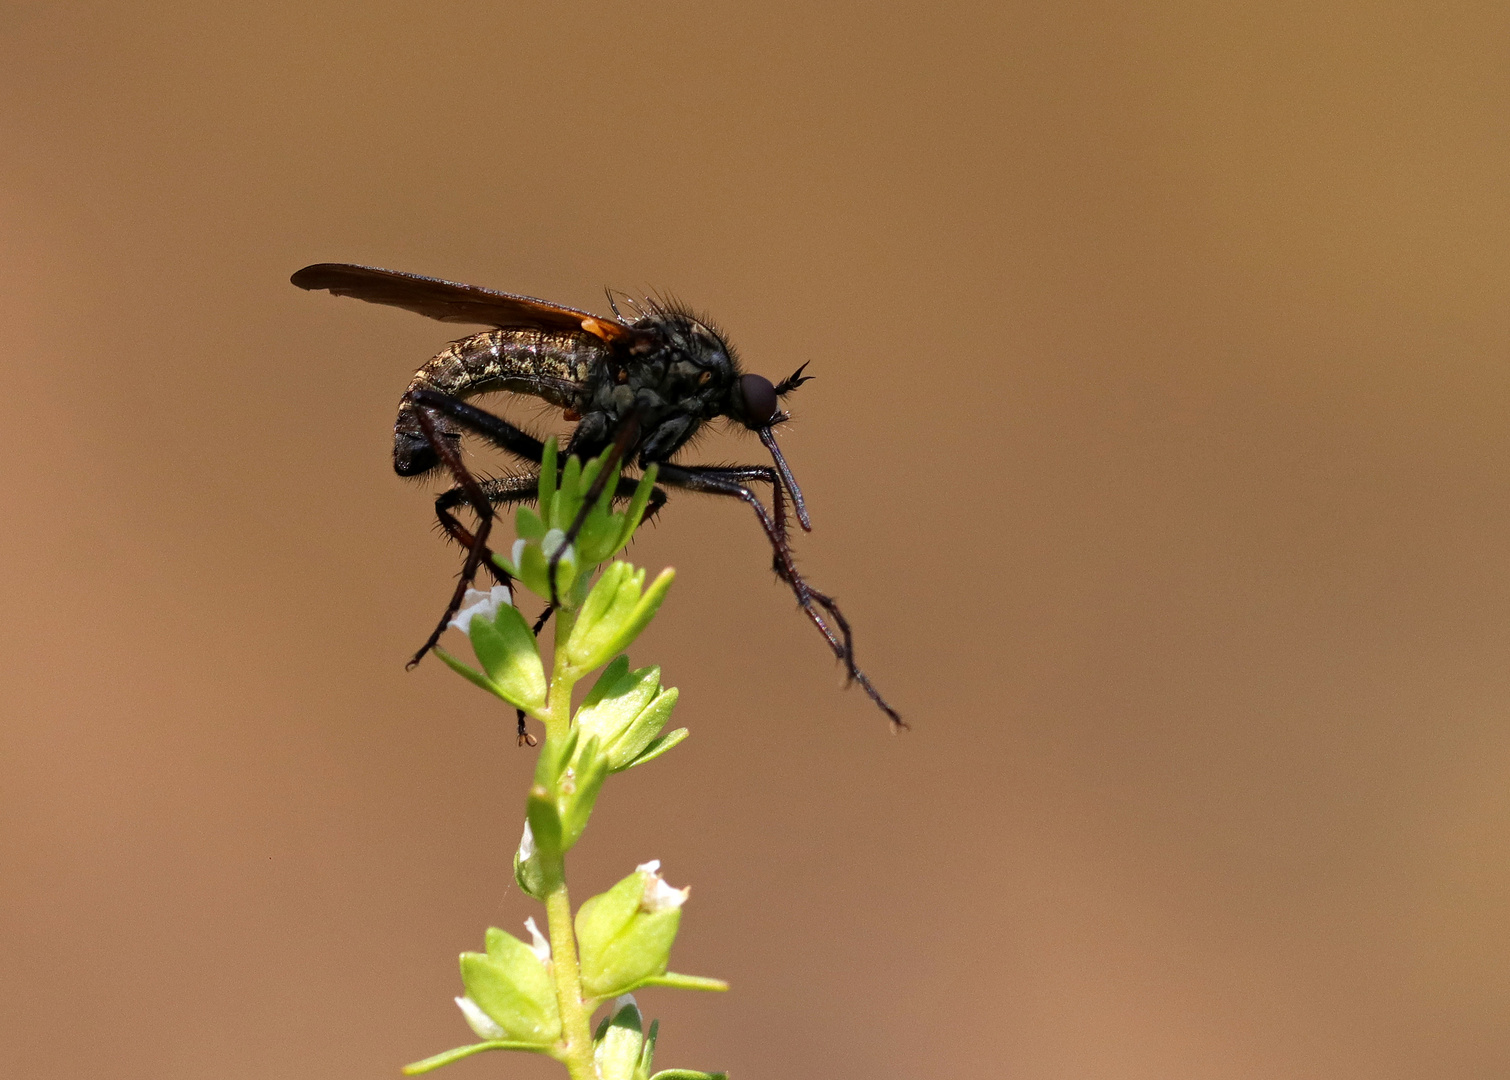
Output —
<point x="626" y="710"/>
<point x="528" y="869"/>
<point x="529" y="561"/>
<point x="625" y="934"/>
<point x="619" y="1042"/>
<point x="510" y="990"/>
<point x="614" y="613"/>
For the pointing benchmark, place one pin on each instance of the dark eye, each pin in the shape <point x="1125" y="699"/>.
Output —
<point x="760" y="400"/>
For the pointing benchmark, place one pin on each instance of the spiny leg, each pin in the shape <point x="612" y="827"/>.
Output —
<point x="484" y="510"/>
<point x="721" y="481"/>
<point x="500" y="491"/>
<point x="497" y="431"/>
<point x="766" y="474"/>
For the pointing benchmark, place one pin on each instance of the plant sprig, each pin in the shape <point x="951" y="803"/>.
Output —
<point x="539" y="997"/>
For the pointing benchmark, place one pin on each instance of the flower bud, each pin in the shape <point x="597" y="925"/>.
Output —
<point x="505" y="647"/>
<point x="529" y="561"/>
<point x="625" y="934"/>
<point x="476" y="603"/>
<point x="619" y="1042"/>
<point x="529" y="871"/>
<point x="510" y="992"/>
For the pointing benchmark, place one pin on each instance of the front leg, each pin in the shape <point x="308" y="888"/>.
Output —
<point x="727" y="481"/>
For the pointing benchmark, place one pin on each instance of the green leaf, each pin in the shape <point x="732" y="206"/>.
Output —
<point x="614" y="614"/>
<point x="600" y="529"/>
<point x="590" y="471"/>
<point x="547" y="488"/>
<point x="595" y="541"/>
<point x="604" y="917"/>
<point x="553" y="759"/>
<point x="659" y="746"/>
<point x="545" y="826"/>
<point x="604" y="505"/>
<point x="514" y="988"/>
<point x="644" y="611"/>
<point x="448" y="1056"/>
<point x="612" y="683"/>
<point x="465" y="672"/>
<point x="643" y="731"/>
<point x="569" y="497"/>
<point x="636" y="509"/>
<point x="610" y="602"/>
<point x="626" y="710"/>
<point x="576" y="806"/>
<point x="618" y="697"/>
<point x="534" y="570"/>
<point x="687" y="982"/>
<point x="647" y="1053"/>
<point x="508" y="653"/>
<point x="529" y="525"/>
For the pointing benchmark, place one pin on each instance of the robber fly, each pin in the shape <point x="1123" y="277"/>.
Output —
<point x="640" y="386"/>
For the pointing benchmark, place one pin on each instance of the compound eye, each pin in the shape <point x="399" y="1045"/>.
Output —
<point x="760" y="400"/>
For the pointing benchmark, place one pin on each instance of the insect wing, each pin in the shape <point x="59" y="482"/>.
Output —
<point x="449" y="301"/>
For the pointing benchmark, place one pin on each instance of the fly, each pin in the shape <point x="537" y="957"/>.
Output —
<point x="640" y="386"/>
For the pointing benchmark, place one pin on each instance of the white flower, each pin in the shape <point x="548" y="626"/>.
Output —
<point x="659" y="896"/>
<point x="527" y="843"/>
<point x="538" y="943"/>
<point x="480" y="1022"/>
<point x="476" y="603"/>
<point x="622" y="1000"/>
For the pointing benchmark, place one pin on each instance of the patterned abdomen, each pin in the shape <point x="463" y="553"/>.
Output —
<point x="553" y="367"/>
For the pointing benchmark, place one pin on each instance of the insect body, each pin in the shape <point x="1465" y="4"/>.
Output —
<point x="641" y="387"/>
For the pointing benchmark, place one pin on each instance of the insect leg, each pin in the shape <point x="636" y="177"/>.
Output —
<point x="499" y="492"/>
<point x="495" y="430"/>
<point x="503" y="491"/>
<point x="479" y="500"/>
<point x="716" y="481"/>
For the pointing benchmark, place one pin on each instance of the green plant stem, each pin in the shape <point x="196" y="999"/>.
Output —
<point x="558" y="714"/>
<point x="576" y="1033"/>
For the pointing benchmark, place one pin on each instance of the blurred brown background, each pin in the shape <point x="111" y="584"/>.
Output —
<point x="1159" y="451"/>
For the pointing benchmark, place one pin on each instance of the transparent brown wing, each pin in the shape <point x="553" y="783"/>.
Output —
<point x="449" y="301"/>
